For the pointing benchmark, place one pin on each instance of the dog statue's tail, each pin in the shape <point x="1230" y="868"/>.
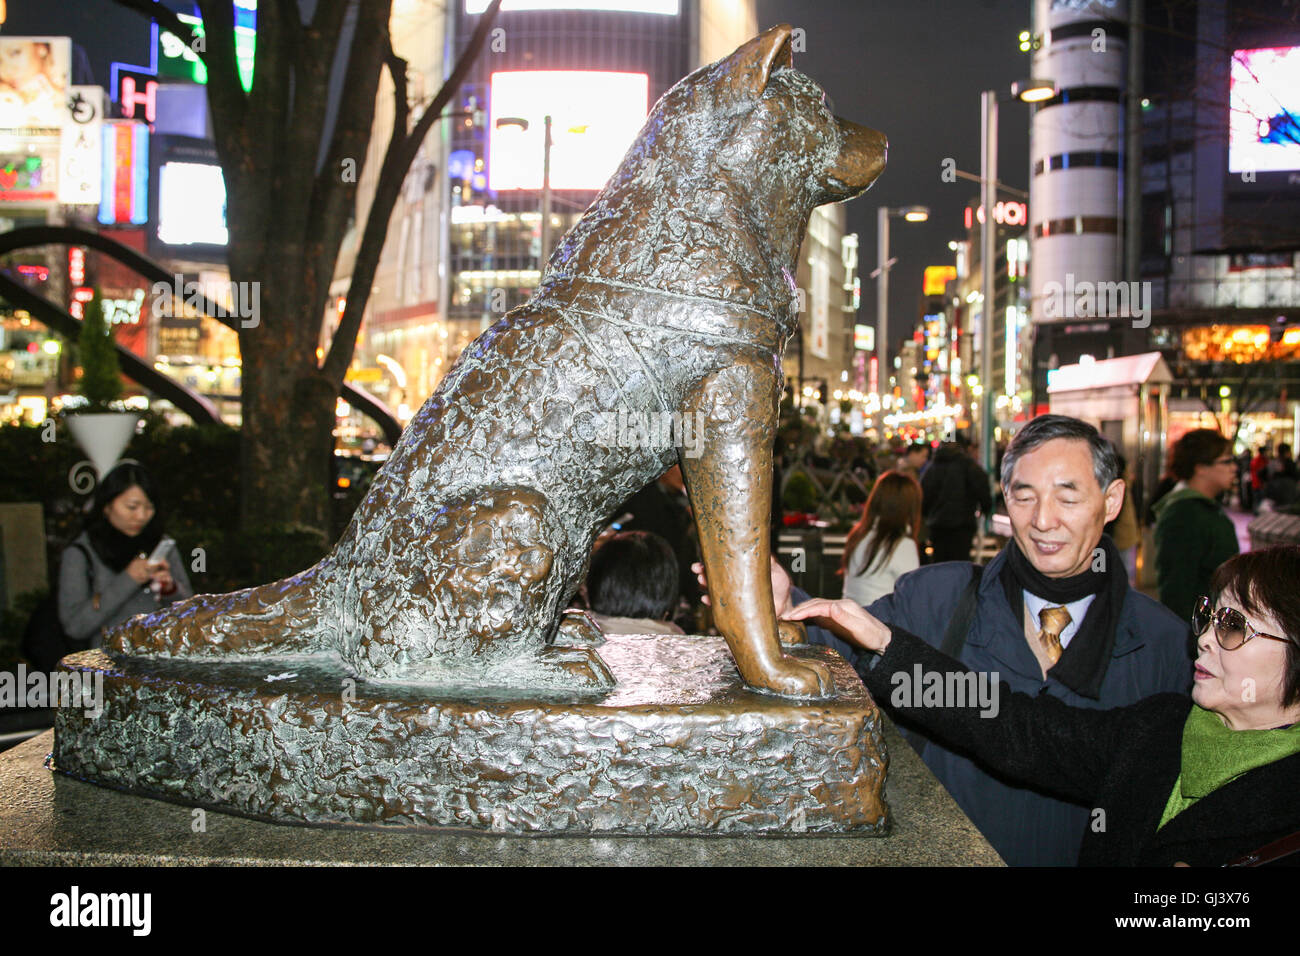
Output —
<point x="286" y="618"/>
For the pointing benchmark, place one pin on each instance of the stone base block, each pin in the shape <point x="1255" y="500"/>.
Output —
<point x="680" y="746"/>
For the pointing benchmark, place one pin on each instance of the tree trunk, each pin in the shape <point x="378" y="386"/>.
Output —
<point x="288" y="204"/>
<point x="288" y="440"/>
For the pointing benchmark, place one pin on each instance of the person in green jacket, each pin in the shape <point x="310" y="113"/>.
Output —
<point x="1193" y="535"/>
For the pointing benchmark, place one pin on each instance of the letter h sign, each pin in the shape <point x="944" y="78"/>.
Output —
<point x="132" y="95"/>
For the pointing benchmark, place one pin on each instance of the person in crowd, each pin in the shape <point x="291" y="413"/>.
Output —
<point x="1052" y="613"/>
<point x="1279" y="492"/>
<point x="914" y="459"/>
<point x="663" y="508"/>
<point x="1193" y="535"/>
<point x="1166" y="484"/>
<point x="1245" y="487"/>
<point x="954" y="488"/>
<point x="1284" y="463"/>
<point x="1124" y="529"/>
<point x="632" y="584"/>
<point x="1259" y="474"/>
<point x="1199" y="781"/>
<point x="1280" y="489"/>
<point x="883" y="544"/>
<point x="110" y="572"/>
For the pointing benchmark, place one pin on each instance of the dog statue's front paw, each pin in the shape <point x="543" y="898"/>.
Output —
<point x="578" y="629"/>
<point x="581" y="666"/>
<point x="792" y="678"/>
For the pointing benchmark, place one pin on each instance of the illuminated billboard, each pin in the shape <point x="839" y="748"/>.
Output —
<point x="177" y="59"/>
<point x="1264" y="110"/>
<point x="595" y="116"/>
<point x="28" y="175"/>
<point x="81" y="149"/>
<point x="669" y="7"/>
<point x="191" y="205"/>
<point x="34" y="82"/>
<point x="124" y="197"/>
<point x="936" y="278"/>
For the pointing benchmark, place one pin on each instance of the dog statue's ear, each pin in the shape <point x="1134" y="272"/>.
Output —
<point x="752" y="63"/>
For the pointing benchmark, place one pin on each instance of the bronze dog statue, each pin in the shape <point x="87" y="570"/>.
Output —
<point x="672" y="296"/>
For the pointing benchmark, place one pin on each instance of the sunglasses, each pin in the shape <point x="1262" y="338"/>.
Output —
<point x="1231" y="629"/>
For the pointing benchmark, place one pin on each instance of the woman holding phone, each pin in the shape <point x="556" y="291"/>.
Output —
<point x="121" y="564"/>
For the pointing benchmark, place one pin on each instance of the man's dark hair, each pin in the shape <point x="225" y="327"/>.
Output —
<point x="1200" y="446"/>
<point x="1283" y="449"/>
<point x="633" y="574"/>
<point x="1265" y="582"/>
<point x="1045" y="428"/>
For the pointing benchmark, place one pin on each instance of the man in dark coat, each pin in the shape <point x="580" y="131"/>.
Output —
<point x="1202" y="780"/>
<point x="952" y="488"/>
<point x="1062" y="485"/>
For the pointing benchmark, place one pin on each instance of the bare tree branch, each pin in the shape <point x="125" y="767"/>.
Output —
<point x="400" y="155"/>
<point x="332" y="194"/>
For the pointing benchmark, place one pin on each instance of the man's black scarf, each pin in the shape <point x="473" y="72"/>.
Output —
<point x="1083" y="663"/>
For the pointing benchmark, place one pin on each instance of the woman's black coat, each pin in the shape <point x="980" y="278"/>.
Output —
<point x="1121" y="763"/>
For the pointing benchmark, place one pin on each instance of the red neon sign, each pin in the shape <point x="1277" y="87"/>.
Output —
<point x="132" y="95"/>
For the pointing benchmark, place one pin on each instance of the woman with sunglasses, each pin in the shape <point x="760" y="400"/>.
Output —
<point x="1203" y="781"/>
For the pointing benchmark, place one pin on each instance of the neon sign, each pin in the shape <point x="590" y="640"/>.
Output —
<point x="126" y="173"/>
<point x="1004" y="214"/>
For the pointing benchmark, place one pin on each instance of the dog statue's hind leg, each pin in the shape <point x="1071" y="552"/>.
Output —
<point x="730" y="486"/>
<point x="287" y="618"/>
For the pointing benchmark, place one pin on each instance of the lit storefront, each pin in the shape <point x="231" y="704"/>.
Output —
<point x="1234" y="378"/>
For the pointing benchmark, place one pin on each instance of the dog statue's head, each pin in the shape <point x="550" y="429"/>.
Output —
<point x="766" y="126"/>
<point x="784" y="113"/>
<point x="716" y="192"/>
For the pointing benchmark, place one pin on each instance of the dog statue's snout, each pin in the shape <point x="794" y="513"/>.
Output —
<point x="863" y="152"/>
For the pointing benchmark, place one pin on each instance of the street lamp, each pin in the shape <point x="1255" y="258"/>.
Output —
<point x="545" y="238"/>
<point x="1027" y="91"/>
<point x="883" y="263"/>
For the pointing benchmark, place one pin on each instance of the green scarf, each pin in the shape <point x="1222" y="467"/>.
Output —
<point x="1214" y="754"/>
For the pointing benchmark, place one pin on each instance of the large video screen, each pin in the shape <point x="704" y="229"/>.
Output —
<point x="1264" y="103"/>
<point x="192" y="205"/>
<point x="620" y="6"/>
<point x="595" y="116"/>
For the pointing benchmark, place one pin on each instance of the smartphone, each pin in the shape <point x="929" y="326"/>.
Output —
<point x="159" y="554"/>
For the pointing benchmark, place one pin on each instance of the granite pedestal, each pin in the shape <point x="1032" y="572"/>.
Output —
<point x="47" y="819"/>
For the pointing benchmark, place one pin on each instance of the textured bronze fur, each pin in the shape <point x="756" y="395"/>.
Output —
<point x="678" y="747"/>
<point x="672" y="296"/>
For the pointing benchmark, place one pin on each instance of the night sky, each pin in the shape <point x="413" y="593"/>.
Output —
<point x="912" y="69"/>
